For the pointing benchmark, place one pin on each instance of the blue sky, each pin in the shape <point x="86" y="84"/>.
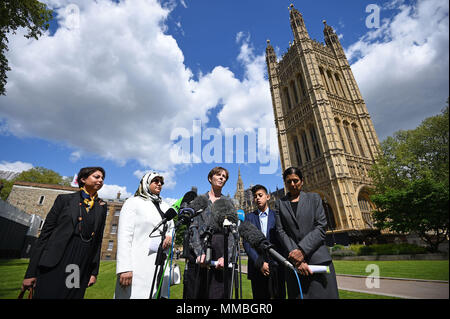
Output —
<point x="109" y="82"/>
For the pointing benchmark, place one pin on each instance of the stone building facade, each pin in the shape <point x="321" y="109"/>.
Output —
<point x="35" y="198"/>
<point x="323" y="125"/>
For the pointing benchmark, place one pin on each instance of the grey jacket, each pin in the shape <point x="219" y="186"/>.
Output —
<point x="304" y="228"/>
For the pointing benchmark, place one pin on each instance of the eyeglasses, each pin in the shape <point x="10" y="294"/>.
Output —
<point x="158" y="181"/>
<point x="290" y="181"/>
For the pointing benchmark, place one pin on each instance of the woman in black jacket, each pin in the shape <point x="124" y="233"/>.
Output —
<point x="66" y="256"/>
<point x="301" y="226"/>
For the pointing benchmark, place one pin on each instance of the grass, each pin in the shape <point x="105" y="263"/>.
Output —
<point x="12" y="272"/>
<point x="417" y="269"/>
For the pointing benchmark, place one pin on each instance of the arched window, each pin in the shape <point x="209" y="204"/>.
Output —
<point x="315" y="141"/>
<point x="358" y="141"/>
<point x="339" y="84"/>
<point x="295" y="92"/>
<point x="341" y="136"/>
<point x="297" y="152"/>
<point x="306" y="146"/>
<point x="366" y="207"/>
<point x="333" y="87"/>
<point x="288" y="98"/>
<point x="324" y="80"/>
<point x="331" y="222"/>
<point x="301" y="83"/>
<point x="349" y="138"/>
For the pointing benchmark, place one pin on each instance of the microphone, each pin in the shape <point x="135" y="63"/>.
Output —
<point x="207" y="234"/>
<point x="257" y="240"/>
<point x="187" y="199"/>
<point x="183" y="201"/>
<point x="168" y="215"/>
<point x="193" y="209"/>
<point x="224" y="213"/>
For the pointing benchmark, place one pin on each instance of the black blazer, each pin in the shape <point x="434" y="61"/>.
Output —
<point x="305" y="228"/>
<point x="59" y="227"/>
<point x="255" y="260"/>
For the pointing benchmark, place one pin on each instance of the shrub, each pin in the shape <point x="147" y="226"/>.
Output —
<point x="391" y="249"/>
<point x="342" y="253"/>
<point x="337" y="247"/>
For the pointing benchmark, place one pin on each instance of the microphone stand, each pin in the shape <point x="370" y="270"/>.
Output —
<point x="207" y="250"/>
<point x="236" y="256"/>
<point x="225" y="257"/>
<point x="159" y="265"/>
<point x="186" y="258"/>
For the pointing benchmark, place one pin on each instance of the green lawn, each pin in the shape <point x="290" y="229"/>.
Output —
<point x="417" y="269"/>
<point x="12" y="272"/>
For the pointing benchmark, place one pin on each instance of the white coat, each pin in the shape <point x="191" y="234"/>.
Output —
<point x="137" y="219"/>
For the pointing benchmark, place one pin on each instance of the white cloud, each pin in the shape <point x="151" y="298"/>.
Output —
<point x="112" y="82"/>
<point x="111" y="191"/>
<point x="16" y="166"/>
<point x="402" y="67"/>
<point x="75" y="156"/>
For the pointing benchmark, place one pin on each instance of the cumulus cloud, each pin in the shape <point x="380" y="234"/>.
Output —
<point x="16" y="166"/>
<point x="110" y="81"/>
<point x="402" y="67"/>
<point x="111" y="192"/>
<point x="75" y="156"/>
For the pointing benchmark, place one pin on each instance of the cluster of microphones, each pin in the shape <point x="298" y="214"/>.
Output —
<point x="224" y="216"/>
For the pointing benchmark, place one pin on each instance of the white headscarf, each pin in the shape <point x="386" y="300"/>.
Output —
<point x="144" y="191"/>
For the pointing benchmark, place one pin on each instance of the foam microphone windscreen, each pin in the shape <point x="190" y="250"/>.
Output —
<point x="170" y="214"/>
<point x="224" y="208"/>
<point x="187" y="198"/>
<point x="251" y="234"/>
<point x="199" y="203"/>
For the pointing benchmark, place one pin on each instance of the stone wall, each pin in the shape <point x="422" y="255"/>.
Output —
<point x="34" y="198"/>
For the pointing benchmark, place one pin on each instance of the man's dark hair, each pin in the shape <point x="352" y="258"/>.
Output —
<point x="85" y="172"/>
<point x="257" y="188"/>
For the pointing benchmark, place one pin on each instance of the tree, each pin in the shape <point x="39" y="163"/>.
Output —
<point x="42" y="175"/>
<point x="5" y="188"/>
<point x="420" y="207"/>
<point x="35" y="175"/>
<point x="29" y="14"/>
<point x="411" y="179"/>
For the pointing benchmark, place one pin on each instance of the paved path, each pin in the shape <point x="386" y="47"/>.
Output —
<point x="395" y="287"/>
<point x="402" y="288"/>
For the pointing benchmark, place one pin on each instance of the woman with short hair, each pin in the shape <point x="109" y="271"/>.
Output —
<point x="211" y="285"/>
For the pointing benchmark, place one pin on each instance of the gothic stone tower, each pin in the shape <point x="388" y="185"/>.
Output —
<point x="239" y="196"/>
<point x="323" y="124"/>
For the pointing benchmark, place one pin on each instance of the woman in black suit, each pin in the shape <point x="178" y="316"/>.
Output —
<point x="301" y="225"/>
<point x="66" y="256"/>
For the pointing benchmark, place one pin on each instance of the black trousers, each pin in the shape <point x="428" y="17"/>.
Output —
<point x="269" y="287"/>
<point x="194" y="282"/>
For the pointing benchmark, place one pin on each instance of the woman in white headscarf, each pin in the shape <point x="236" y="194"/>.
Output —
<point x="136" y="251"/>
